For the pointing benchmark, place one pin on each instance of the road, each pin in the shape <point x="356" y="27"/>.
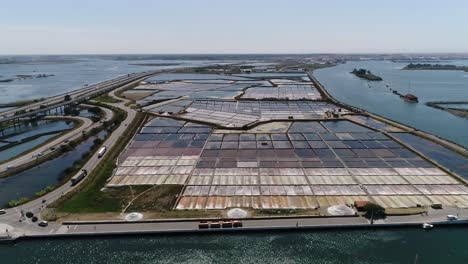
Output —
<point x="77" y="96"/>
<point x="11" y="219"/>
<point x="54" y="145"/>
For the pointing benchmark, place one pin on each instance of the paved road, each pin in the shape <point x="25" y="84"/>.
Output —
<point x="11" y="218"/>
<point x="45" y="150"/>
<point x="77" y="95"/>
<point x="435" y="216"/>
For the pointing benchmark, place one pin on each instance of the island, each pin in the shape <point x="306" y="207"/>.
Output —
<point x="426" y="66"/>
<point x="366" y="74"/>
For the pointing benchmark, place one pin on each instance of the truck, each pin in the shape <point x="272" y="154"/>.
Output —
<point x="77" y="178"/>
<point x="101" y="151"/>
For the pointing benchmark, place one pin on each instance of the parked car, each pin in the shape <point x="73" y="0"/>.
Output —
<point x="2" y="211"/>
<point x="43" y="223"/>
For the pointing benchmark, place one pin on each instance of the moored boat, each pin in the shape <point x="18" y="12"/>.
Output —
<point x="427" y="226"/>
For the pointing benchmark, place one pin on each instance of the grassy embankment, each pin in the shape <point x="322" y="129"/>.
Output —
<point x="366" y="74"/>
<point x="106" y="99"/>
<point x="88" y="197"/>
<point x="316" y="66"/>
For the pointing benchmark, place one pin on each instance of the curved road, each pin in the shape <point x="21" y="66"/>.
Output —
<point x="11" y="218"/>
<point x="86" y="125"/>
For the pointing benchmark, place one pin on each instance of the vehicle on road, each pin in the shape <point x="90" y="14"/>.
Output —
<point x="77" y="178"/>
<point x="43" y="223"/>
<point x="10" y="167"/>
<point x="66" y="141"/>
<point x="452" y="217"/>
<point x="101" y="152"/>
<point x="52" y="148"/>
<point x="2" y="211"/>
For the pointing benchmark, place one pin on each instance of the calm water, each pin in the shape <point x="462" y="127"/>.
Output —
<point x="27" y="183"/>
<point x="28" y="130"/>
<point x="458" y="106"/>
<point x="71" y="73"/>
<point x="384" y="246"/>
<point x="427" y="85"/>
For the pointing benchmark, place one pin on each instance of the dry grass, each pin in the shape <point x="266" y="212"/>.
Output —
<point x="405" y="211"/>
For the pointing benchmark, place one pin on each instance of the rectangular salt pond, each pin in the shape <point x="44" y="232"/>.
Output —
<point x="272" y="166"/>
<point x="438" y="153"/>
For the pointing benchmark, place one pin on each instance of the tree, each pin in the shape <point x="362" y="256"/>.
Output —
<point x="67" y="98"/>
<point x="374" y="211"/>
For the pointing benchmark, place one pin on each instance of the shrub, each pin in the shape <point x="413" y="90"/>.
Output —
<point x="29" y="214"/>
<point x="20" y="201"/>
<point x="34" y="219"/>
<point x="374" y="211"/>
<point x="97" y="141"/>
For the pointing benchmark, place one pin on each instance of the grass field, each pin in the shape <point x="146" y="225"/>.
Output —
<point x="89" y="197"/>
<point x="107" y="99"/>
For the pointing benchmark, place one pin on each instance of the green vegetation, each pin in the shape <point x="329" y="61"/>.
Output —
<point x="69" y="110"/>
<point x="20" y="201"/>
<point x="106" y="99"/>
<point x="45" y="190"/>
<point x="277" y="211"/>
<point x="88" y="197"/>
<point x="426" y="66"/>
<point x="23" y="200"/>
<point x="20" y="112"/>
<point x="316" y="66"/>
<point x="67" y="98"/>
<point x="366" y="74"/>
<point x="374" y="211"/>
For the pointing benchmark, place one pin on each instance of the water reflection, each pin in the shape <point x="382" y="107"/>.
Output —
<point x="27" y="183"/>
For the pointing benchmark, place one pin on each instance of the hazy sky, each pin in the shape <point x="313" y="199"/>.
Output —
<point x="228" y="26"/>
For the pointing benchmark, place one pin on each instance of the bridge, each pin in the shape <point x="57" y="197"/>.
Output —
<point x="77" y="96"/>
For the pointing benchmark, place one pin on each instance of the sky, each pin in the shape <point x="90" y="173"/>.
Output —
<point x="226" y="26"/>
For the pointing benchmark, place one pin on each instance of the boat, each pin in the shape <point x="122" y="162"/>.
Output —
<point x="411" y="98"/>
<point x="427" y="226"/>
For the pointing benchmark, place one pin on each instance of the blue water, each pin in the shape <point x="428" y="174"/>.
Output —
<point x="427" y="85"/>
<point x="28" y="130"/>
<point x="27" y="183"/>
<point x="21" y="148"/>
<point x="438" y="246"/>
<point x="71" y="73"/>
